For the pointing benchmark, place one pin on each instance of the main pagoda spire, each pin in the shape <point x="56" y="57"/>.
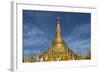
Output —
<point x="58" y="39"/>
<point x="58" y="51"/>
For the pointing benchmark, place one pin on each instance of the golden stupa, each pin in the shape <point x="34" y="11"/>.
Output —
<point x="59" y="50"/>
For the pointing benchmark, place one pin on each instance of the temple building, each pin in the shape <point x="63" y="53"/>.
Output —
<point x="59" y="50"/>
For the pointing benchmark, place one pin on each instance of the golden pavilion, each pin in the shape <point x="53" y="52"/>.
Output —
<point x="59" y="50"/>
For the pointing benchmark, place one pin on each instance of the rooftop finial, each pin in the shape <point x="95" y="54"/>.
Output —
<point x="58" y="17"/>
<point x="58" y="24"/>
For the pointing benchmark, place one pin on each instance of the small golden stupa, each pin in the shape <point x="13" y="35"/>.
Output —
<point x="59" y="50"/>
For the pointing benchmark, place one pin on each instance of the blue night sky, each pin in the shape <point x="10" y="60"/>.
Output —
<point x="39" y="30"/>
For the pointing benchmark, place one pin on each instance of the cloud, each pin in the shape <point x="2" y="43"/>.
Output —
<point x="76" y="40"/>
<point x="32" y="30"/>
<point x="34" y="36"/>
<point x="36" y="41"/>
<point x="79" y="31"/>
